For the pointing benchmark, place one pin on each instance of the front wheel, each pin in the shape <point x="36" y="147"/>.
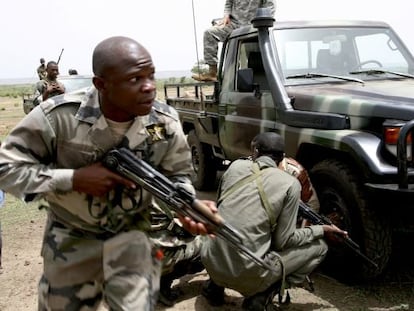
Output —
<point x="204" y="163"/>
<point x="342" y="201"/>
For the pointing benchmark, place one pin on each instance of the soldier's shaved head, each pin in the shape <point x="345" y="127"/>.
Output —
<point x="124" y="78"/>
<point x="113" y="53"/>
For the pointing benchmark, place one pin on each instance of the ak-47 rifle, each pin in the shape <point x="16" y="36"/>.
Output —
<point x="316" y="219"/>
<point x="125" y="163"/>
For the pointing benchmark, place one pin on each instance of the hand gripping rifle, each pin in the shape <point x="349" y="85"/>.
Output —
<point x="125" y="163"/>
<point x="317" y="219"/>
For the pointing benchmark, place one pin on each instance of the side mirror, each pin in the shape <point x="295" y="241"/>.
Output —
<point x="245" y="80"/>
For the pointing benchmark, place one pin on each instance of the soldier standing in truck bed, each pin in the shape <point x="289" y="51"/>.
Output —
<point x="41" y="70"/>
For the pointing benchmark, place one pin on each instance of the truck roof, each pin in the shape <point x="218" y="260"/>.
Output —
<point x="314" y="23"/>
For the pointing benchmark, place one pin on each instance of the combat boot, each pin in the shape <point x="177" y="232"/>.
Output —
<point x="210" y="76"/>
<point x="261" y="301"/>
<point x="167" y="296"/>
<point x="213" y="293"/>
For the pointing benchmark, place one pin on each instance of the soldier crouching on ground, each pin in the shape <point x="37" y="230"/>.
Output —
<point x="95" y="245"/>
<point x="261" y="201"/>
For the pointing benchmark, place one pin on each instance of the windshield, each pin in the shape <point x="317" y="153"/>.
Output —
<point x="73" y="83"/>
<point x="342" y="51"/>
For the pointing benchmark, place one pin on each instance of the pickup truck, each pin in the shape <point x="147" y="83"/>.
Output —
<point x="341" y="93"/>
<point x="72" y="83"/>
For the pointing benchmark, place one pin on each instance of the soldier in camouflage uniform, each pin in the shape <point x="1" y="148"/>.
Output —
<point x="237" y="13"/>
<point x="95" y="244"/>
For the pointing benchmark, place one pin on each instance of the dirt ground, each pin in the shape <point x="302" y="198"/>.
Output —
<point x="22" y="229"/>
<point x="22" y="266"/>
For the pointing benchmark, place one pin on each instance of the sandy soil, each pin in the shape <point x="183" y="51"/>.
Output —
<point x="22" y="267"/>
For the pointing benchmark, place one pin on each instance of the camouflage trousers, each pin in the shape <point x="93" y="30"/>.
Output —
<point x="176" y="249"/>
<point x="81" y="271"/>
<point x="211" y="39"/>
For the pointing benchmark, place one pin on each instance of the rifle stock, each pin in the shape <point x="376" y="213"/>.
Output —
<point x="317" y="219"/>
<point x="125" y="163"/>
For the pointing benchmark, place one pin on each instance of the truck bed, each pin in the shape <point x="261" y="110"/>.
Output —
<point x="192" y="97"/>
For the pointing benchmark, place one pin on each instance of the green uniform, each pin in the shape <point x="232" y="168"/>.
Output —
<point x="265" y="230"/>
<point x="41" y="71"/>
<point x="93" y="247"/>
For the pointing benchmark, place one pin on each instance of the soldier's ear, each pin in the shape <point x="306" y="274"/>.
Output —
<point x="99" y="83"/>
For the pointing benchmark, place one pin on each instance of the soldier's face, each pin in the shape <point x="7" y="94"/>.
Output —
<point x="52" y="71"/>
<point x="129" y="89"/>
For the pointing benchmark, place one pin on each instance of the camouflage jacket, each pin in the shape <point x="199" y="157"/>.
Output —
<point x="243" y="11"/>
<point x="66" y="132"/>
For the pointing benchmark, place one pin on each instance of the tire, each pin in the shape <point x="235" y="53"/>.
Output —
<point x="204" y="163"/>
<point x="343" y="203"/>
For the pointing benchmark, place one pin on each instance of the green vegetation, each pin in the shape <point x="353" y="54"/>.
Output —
<point x="16" y="90"/>
<point x="15" y="212"/>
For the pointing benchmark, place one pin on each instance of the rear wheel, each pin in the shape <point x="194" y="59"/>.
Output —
<point x="343" y="203"/>
<point x="204" y="163"/>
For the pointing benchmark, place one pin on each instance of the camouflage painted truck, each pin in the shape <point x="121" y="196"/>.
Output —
<point x="341" y="93"/>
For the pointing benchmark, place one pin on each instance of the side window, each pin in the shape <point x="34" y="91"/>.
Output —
<point x="250" y="57"/>
<point x="246" y="47"/>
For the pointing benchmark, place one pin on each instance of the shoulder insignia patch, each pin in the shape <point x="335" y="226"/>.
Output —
<point x="165" y="110"/>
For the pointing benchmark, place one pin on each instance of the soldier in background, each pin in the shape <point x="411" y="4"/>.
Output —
<point x="72" y="72"/>
<point x="237" y="13"/>
<point x="41" y="70"/>
<point x="50" y="86"/>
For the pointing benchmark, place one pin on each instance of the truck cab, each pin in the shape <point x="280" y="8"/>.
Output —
<point x="341" y="93"/>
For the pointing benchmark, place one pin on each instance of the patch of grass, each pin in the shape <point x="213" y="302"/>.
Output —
<point x="15" y="212"/>
<point x="11" y="112"/>
<point x="16" y="91"/>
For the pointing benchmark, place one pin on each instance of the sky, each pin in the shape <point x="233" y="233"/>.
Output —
<point x="171" y="30"/>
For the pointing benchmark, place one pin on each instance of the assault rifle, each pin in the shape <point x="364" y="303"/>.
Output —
<point x="316" y="219"/>
<point x="125" y="163"/>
